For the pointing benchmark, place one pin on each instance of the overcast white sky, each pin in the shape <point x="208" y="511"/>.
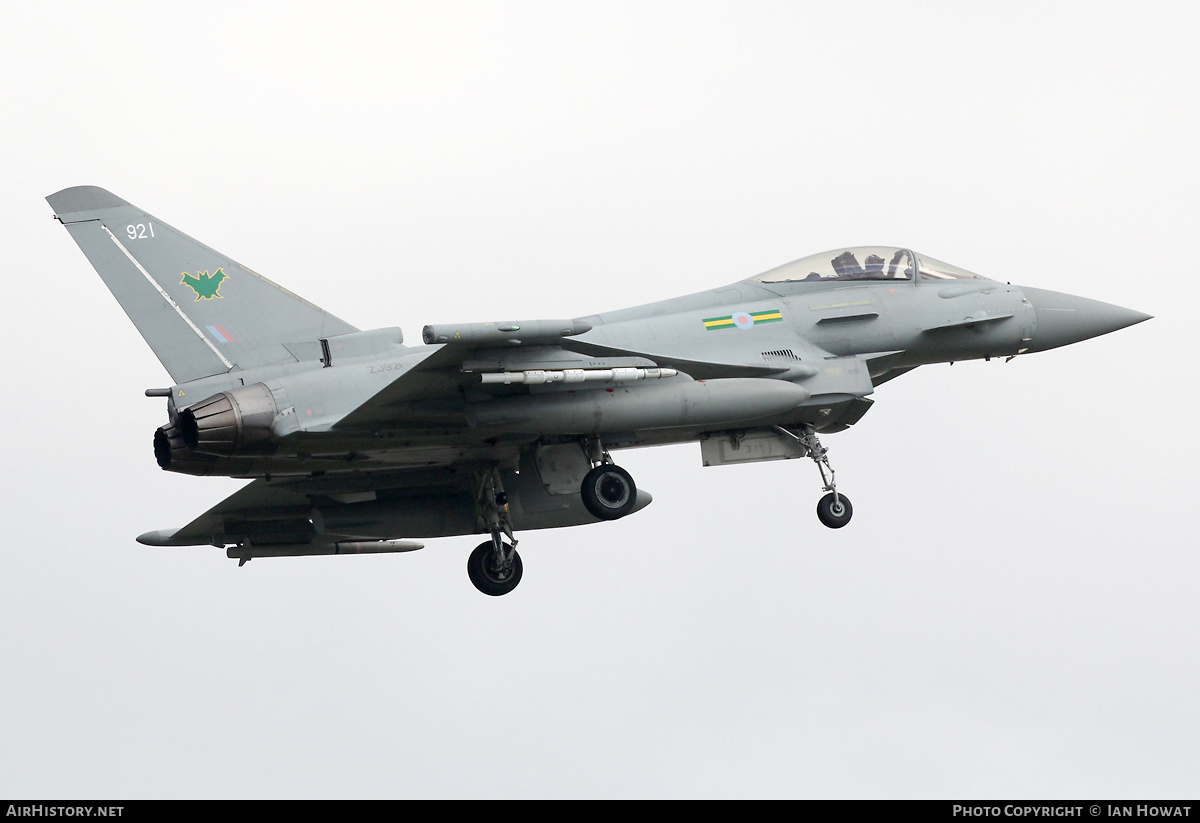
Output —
<point x="1013" y="611"/>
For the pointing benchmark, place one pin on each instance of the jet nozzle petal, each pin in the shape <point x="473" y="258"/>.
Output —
<point x="1063" y="319"/>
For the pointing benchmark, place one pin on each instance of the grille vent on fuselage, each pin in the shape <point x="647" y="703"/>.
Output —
<point x="780" y="354"/>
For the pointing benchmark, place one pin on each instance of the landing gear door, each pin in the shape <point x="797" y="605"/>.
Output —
<point x="729" y="448"/>
<point x="562" y="467"/>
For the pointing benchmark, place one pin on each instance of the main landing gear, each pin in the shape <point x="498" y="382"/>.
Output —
<point x="834" y="509"/>
<point x="608" y="492"/>
<point x="494" y="567"/>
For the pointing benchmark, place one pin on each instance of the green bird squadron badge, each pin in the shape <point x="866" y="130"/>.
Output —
<point x="205" y="285"/>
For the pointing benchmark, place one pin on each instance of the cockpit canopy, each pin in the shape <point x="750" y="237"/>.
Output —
<point x="864" y="263"/>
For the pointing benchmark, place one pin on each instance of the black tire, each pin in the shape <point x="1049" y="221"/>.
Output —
<point x="608" y="492"/>
<point x="832" y="515"/>
<point x="483" y="573"/>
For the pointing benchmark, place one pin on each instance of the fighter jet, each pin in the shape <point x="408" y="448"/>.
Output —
<point x="357" y="443"/>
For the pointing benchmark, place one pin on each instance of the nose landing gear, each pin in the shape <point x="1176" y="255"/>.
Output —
<point x="834" y="509"/>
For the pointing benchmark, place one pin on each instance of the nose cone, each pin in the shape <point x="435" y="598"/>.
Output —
<point x="1063" y="319"/>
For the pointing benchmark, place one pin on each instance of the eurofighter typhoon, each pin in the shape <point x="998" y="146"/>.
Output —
<point x="357" y="443"/>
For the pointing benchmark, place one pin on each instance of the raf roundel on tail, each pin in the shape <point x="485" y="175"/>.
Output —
<point x="357" y="443"/>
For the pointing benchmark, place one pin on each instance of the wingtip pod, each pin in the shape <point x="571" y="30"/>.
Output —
<point x="83" y="198"/>
<point x="166" y="537"/>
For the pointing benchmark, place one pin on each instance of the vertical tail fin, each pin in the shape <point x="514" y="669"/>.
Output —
<point x="201" y="312"/>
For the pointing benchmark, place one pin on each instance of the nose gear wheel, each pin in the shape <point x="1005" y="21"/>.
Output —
<point x="834" y="511"/>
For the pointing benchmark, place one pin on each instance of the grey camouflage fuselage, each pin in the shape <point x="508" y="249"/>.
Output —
<point x="355" y="439"/>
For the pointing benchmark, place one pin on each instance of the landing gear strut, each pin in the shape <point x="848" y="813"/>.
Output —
<point x="494" y="567"/>
<point x="834" y="509"/>
<point x="608" y="491"/>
